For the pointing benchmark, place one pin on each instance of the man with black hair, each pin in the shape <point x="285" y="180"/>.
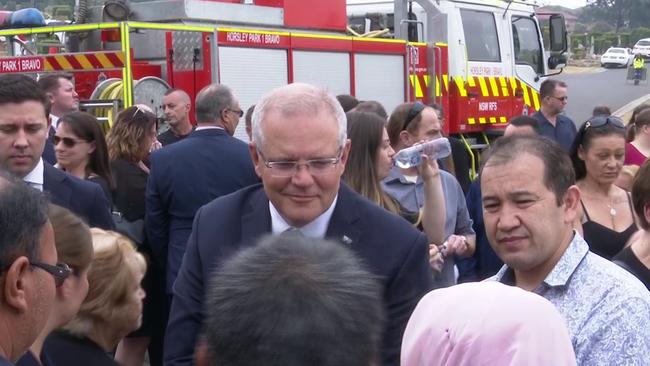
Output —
<point x="28" y="264"/>
<point x="286" y="302"/>
<point x="23" y="132"/>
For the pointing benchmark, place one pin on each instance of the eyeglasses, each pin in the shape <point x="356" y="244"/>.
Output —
<point x="60" y="271"/>
<point x="601" y="121"/>
<point x="238" y="112"/>
<point x="415" y="109"/>
<point x="288" y="168"/>
<point x="67" y="141"/>
<point x="561" y="99"/>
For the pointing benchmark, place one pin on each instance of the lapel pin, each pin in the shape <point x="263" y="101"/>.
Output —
<point x="346" y="239"/>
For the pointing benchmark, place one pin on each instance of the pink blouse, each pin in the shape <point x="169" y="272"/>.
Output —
<point x="633" y="156"/>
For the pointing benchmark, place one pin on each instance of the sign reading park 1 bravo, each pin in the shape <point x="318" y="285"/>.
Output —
<point x="21" y="64"/>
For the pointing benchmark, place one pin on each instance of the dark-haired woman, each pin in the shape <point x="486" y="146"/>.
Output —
<point x="636" y="256"/>
<point x="370" y="161"/>
<point x="81" y="150"/>
<point x="638" y="150"/>
<point x="597" y="153"/>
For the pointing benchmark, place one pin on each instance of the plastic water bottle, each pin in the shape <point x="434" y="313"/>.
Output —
<point x="412" y="156"/>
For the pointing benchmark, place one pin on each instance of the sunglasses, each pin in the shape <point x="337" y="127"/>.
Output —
<point x="67" y="141"/>
<point x="415" y="109"/>
<point x="60" y="271"/>
<point x="601" y="121"/>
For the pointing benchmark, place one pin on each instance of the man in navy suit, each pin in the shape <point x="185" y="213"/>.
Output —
<point x="184" y="176"/>
<point x="23" y="131"/>
<point x="299" y="150"/>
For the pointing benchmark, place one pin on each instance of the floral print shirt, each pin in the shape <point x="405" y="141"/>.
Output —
<point x="607" y="310"/>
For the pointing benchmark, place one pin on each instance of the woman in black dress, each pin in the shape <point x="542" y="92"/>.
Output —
<point x="129" y="142"/>
<point x="597" y="153"/>
<point x="636" y="256"/>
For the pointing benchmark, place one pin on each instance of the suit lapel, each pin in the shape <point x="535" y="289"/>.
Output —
<point x="256" y="218"/>
<point x="53" y="183"/>
<point x="342" y="224"/>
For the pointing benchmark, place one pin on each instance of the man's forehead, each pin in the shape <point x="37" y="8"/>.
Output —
<point x="524" y="167"/>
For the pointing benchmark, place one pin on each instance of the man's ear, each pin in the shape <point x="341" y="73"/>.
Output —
<point x="571" y="203"/>
<point x="15" y="283"/>
<point x="405" y="138"/>
<point x="257" y="161"/>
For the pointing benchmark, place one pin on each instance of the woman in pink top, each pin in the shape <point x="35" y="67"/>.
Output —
<point x="637" y="151"/>
<point x="486" y="323"/>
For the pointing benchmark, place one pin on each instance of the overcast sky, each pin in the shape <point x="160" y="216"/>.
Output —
<point x="566" y="3"/>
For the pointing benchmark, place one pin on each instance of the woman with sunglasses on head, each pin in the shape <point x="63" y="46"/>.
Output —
<point x="81" y="150"/>
<point x="112" y="308"/>
<point x="638" y="150"/>
<point x="371" y="160"/>
<point x="606" y="214"/>
<point x="74" y="248"/>
<point x="129" y="142"/>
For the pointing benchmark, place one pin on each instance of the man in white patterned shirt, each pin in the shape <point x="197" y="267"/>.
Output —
<point x="529" y="205"/>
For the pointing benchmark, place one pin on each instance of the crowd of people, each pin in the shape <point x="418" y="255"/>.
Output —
<point x="308" y="245"/>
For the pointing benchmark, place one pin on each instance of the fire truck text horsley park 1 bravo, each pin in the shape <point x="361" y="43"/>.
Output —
<point x="482" y="60"/>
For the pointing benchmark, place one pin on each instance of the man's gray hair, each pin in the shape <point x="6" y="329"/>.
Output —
<point x="211" y="101"/>
<point x="298" y="99"/>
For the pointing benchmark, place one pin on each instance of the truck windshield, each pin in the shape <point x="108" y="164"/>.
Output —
<point x="527" y="48"/>
<point x="481" y="37"/>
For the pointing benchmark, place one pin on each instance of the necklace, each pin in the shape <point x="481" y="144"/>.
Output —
<point x="612" y="211"/>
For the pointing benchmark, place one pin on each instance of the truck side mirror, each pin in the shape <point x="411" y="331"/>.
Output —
<point x="555" y="61"/>
<point x="558" y="34"/>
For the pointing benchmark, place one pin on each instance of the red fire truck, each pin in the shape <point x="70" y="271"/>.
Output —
<point x="482" y="60"/>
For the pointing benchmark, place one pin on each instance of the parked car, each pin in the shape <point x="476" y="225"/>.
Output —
<point x="642" y="47"/>
<point x="616" y="56"/>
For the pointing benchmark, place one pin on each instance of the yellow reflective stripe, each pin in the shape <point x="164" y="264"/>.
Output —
<point x="471" y="121"/>
<point x="484" y="89"/>
<point x="445" y="79"/>
<point x="106" y="63"/>
<point x="460" y="84"/>
<point x="493" y="86"/>
<point x="526" y="97"/>
<point x="83" y="61"/>
<point x="421" y="44"/>
<point x="513" y="84"/>
<point x="535" y="98"/>
<point x="65" y="65"/>
<point x="242" y="30"/>
<point x="127" y="80"/>
<point x="482" y="120"/>
<point x="504" y="86"/>
<point x="441" y="44"/>
<point x="493" y="120"/>
<point x="471" y="82"/>
<point x="62" y="28"/>
<point x="415" y="82"/>
<point x="381" y="40"/>
<point x="48" y="66"/>
<point x="503" y="119"/>
<point x="427" y="78"/>
<point x="175" y="27"/>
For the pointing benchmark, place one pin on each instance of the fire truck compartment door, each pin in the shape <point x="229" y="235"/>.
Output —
<point x="251" y="73"/>
<point x="330" y="70"/>
<point x="380" y="78"/>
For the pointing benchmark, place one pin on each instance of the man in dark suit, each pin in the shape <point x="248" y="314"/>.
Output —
<point x="299" y="150"/>
<point x="184" y="176"/>
<point x="23" y="131"/>
<point x="63" y="98"/>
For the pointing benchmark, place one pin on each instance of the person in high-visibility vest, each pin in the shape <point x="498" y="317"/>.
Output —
<point x="638" y="65"/>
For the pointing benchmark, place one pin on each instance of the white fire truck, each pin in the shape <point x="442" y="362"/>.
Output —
<point x="482" y="60"/>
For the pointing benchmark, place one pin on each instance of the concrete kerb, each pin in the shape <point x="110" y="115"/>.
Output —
<point x="625" y="112"/>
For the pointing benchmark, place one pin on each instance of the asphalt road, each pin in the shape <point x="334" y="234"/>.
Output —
<point x="590" y="89"/>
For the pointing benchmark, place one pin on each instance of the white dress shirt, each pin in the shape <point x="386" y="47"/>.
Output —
<point x="35" y="177"/>
<point x="314" y="229"/>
